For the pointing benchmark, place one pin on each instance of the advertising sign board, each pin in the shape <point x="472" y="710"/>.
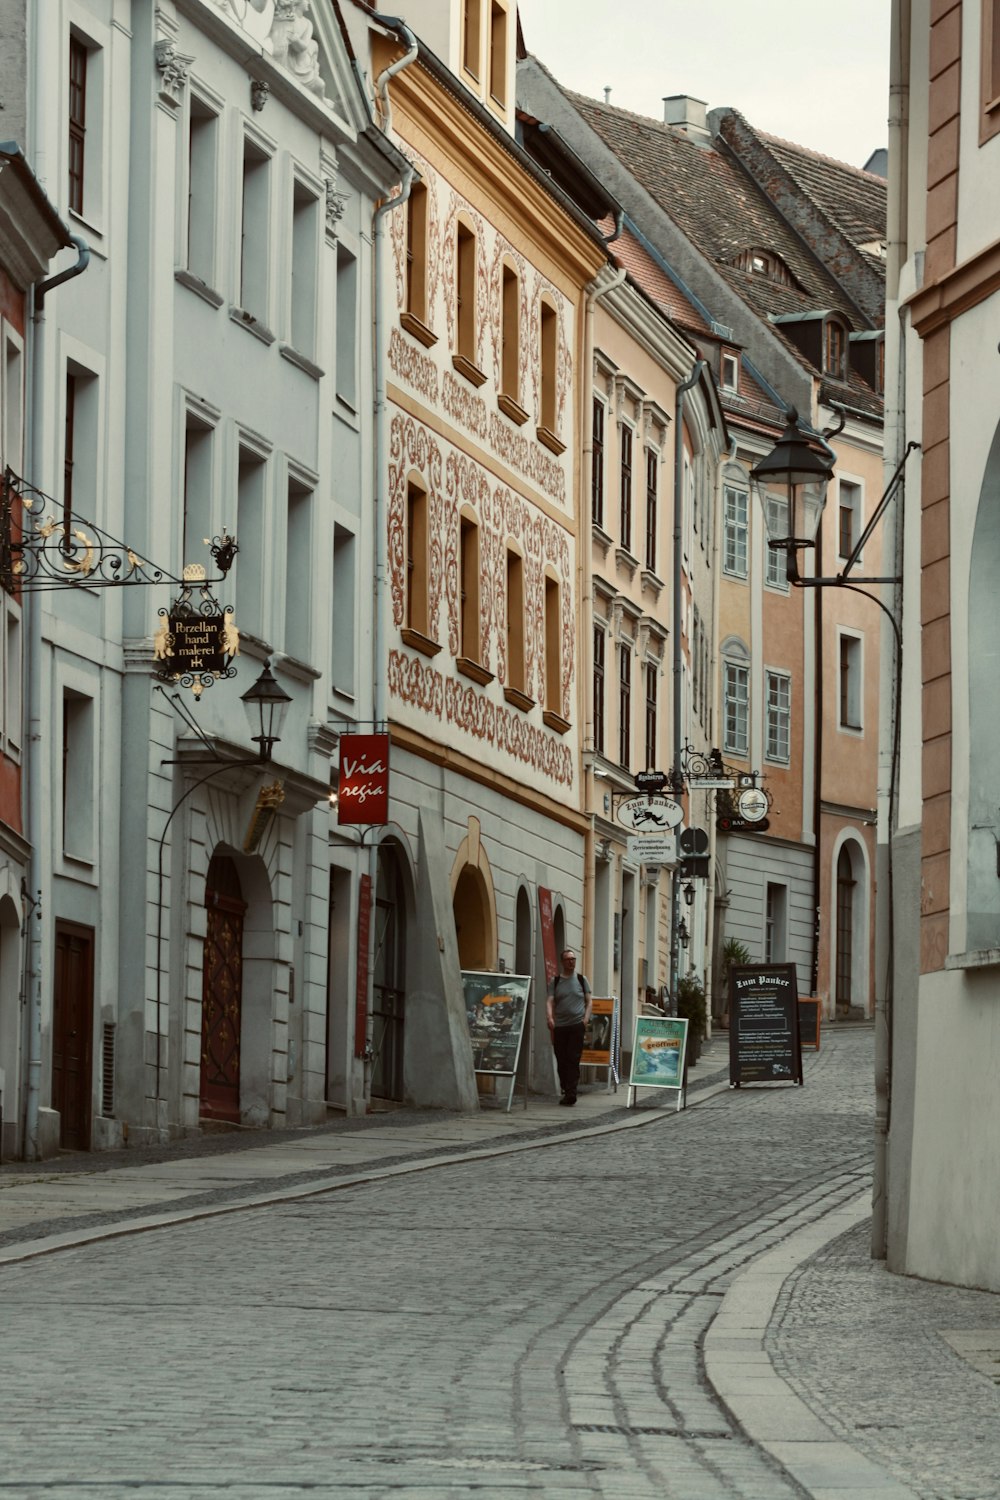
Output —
<point x="363" y="786"/>
<point x="495" y="1009"/>
<point x="764" y="1041"/>
<point x="649" y="814"/>
<point x="599" y="1037"/>
<point x="652" y="848"/>
<point x="658" y="1047"/>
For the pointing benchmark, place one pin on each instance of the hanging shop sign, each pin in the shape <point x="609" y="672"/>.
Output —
<point x="764" y="1040"/>
<point x="650" y="782"/>
<point x="548" y="933"/>
<point x="742" y="825"/>
<point x="752" y="804"/>
<point x="495" y="1008"/>
<point x="363" y="784"/>
<point x="652" y="849"/>
<point x="649" y="814"/>
<point x="197" y="641"/>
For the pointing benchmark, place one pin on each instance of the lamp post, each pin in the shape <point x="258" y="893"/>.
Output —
<point x="266" y="704"/>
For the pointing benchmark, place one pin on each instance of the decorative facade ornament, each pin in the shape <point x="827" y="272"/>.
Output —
<point x="335" y="205"/>
<point x="260" y="92"/>
<point x="283" y="29"/>
<point x="172" y="67"/>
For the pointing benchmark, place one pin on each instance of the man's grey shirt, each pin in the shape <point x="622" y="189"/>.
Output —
<point x="570" y="993"/>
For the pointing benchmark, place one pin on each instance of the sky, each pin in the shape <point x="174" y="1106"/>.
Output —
<point x="814" y="74"/>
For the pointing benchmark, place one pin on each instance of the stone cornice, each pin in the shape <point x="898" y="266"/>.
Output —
<point x="955" y="293"/>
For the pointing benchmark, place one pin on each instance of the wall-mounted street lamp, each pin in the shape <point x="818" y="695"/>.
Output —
<point x="688" y="894"/>
<point x="683" y="936"/>
<point x="266" y="704"/>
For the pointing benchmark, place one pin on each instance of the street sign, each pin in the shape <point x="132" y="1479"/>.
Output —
<point x="693" y="841"/>
<point x="650" y="781"/>
<point x="652" y="849"/>
<point x="711" y="783"/>
<point x="649" y="814"/>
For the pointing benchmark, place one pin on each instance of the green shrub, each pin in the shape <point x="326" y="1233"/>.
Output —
<point x="691" y="1004"/>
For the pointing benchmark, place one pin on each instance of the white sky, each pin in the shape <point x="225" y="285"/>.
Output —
<point x="816" y="74"/>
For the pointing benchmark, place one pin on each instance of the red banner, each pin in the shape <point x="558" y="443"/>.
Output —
<point x="361" y="993"/>
<point x="548" y="934"/>
<point x="363" y="788"/>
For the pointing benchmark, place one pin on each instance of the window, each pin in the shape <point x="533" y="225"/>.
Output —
<point x="730" y="372"/>
<point x="250" y="529"/>
<point x="81" y="432"/>
<point x="69" y="440"/>
<point x="471" y="35"/>
<point x="77" y="122"/>
<point x="11" y="679"/>
<point x="848" y="517"/>
<point x="347" y="322"/>
<point x="833" y="351"/>
<point x="416" y="252"/>
<point x="465" y="285"/>
<point x="600" y="639"/>
<point x="736" y="701"/>
<point x="510" y="353"/>
<point x="775" y="924"/>
<point x="469" y="616"/>
<point x="652" y="484"/>
<point x="78" y="776"/>
<point x="254" y="222"/>
<point x="625" y="484"/>
<point x="12" y="430"/>
<point x="498" y="53"/>
<point x="203" y="190"/>
<point x="298" y="595"/>
<point x="625" y="703"/>
<point x="515" y="621"/>
<point x="198" y="491"/>
<point x="305" y="241"/>
<point x="989" y="124"/>
<point x="548" y="354"/>
<point x="778" y="691"/>
<point x="652" y="673"/>
<point x="342" y="663"/>
<point x="553" y="666"/>
<point x="416" y="559"/>
<point x="597" y="467"/>
<point x="734" y="556"/>
<point x="776" y="573"/>
<point x="850" y="681"/>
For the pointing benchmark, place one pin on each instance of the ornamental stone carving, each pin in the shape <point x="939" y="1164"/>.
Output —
<point x="260" y="92"/>
<point x="281" y="28"/>
<point x="172" y="67"/>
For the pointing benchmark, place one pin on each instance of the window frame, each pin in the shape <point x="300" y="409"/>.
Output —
<point x="777" y="717"/>
<point x="597" y="462"/>
<point x="650" y="716"/>
<point x="600" y="686"/>
<point x="850" y="682"/>
<point x="736" y="533"/>
<point x="652" y="504"/>
<point x="625" y="703"/>
<point x="776" y="560"/>
<point x="626" y="441"/>
<point x="855" y="510"/>
<point x="989" y="72"/>
<point x="736" y="707"/>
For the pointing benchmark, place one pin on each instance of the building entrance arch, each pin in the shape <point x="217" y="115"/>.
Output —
<point x="222" y="992"/>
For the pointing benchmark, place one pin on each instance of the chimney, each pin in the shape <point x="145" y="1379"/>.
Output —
<point x="687" y="116"/>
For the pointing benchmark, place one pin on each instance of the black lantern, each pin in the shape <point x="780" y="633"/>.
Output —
<point x="683" y="936"/>
<point x="791" y="482"/>
<point x="266" y="704"/>
<point x="688" y="894"/>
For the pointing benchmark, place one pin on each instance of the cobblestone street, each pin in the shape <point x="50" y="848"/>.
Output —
<point x="531" y="1323"/>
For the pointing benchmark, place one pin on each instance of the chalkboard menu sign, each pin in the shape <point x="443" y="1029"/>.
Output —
<point x="764" y="1040"/>
<point x="809" y="1022"/>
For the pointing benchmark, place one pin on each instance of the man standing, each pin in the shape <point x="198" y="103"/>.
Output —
<point x="568" y="1011"/>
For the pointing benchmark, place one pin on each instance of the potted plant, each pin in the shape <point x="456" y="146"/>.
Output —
<point x="691" y="1004"/>
<point x="734" y="955"/>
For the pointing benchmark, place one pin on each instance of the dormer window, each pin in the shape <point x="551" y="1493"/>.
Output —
<point x="759" y="262"/>
<point x="730" y="371"/>
<point x="834" y="342"/>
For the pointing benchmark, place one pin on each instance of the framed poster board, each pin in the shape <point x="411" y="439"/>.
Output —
<point x="658" y="1047"/>
<point x="496" y="1006"/>
<point x="764" y="1040"/>
<point x="600" y="1039"/>
<point x="809" y="1022"/>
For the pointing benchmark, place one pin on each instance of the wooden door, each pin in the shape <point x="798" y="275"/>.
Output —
<point x="222" y="993"/>
<point x="72" y="1024"/>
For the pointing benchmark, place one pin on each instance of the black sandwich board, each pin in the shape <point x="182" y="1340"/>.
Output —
<point x="764" y="1041"/>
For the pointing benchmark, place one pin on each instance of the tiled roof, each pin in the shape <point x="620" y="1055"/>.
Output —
<point x="854" y="199"/>
<point x="654" y="281"/>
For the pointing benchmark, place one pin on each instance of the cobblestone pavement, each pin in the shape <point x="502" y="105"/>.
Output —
<point x="527" y="1324"/>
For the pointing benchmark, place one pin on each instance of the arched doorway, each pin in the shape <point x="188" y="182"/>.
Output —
<point x="523" y="944"/>
<point x="222" y="992"/>
<point x="473" y="927"/>
<point x="10" y="1017"/>
<point x="845" y="932"/>
<point x="389" y="977"/>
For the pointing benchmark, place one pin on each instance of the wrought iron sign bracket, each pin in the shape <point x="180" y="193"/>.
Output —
<point x="41" y="551"/>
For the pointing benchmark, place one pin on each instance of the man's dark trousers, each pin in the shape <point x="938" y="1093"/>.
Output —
<point x="567" y="1042"/>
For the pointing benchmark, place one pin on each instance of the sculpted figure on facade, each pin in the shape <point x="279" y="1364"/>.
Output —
<point x="282" y="28"/>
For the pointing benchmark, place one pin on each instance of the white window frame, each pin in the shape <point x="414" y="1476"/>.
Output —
<point x="736" y="533"/>
<point x="857" y="509"/>
<point x="96" y="38"/>
<point x="730" y="371"/>
<point x="856" y="642"/>
<point x="11" y="677"/>
<point x="736" y="744"/>
<point x="776" y="563"/>
<point x="777" y="717"/>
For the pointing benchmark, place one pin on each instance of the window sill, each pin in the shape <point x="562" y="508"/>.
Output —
<point x="200" y="288"/>
<point x="473" y="669"/>
<point x="244" y="319"/>
<point x="555" y="721"/>
<point x="978" y="958"/>
<point x="600" y="536"/>
<point x="472" y="373"/>
<point x="518" y="699"/>
<point x="418" y="329"/>
<point x="627" y="560"/>
<point x="510" y="408"/>
<point x="418" y="641"/>
<point x="652" y="582"/>
<point x="548" y="439"/>
<point x="300" y="361"/>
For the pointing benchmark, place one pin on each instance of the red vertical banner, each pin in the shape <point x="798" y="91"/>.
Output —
<point x="548" y="935"/>
<point x="361" y="992"/>
<point x="363" y="786"/>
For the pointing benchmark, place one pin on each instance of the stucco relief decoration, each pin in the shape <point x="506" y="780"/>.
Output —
<point x="283" y="29"/>
<point x="464" y="406"/>
<point x="411" y="447"/>
<point x="416" y="683"/>
<point x="172" y="67"/>
<point x="564" y="357"/>
<point x="397" y="239"/>
<point x="527" y="457"/>
<point x="336" y="202"/>
<point x="503" y="250"/>
<point x="432" y="247"/>
<point x="466" y="484"/>
<point x="413" y="366"/>
<point x="449" y="273"/>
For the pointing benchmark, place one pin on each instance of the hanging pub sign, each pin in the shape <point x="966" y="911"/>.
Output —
<point x="764" y="1039"/>
<point x="197" y="641"/>
<point x="363" y="785"/>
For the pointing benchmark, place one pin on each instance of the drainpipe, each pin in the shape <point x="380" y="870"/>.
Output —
<point x="585" y="591"/>
<point x="675" y="887"/>
<point x="380" y="456"/>
<point x="33" y="704"/>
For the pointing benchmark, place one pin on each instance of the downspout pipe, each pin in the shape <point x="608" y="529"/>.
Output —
<point x="380" y="455"/>
<point x="82" y="262"/>
<point x="699" y="368"/>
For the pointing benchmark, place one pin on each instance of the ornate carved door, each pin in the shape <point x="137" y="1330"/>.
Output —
<point x="222" y="992"/>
